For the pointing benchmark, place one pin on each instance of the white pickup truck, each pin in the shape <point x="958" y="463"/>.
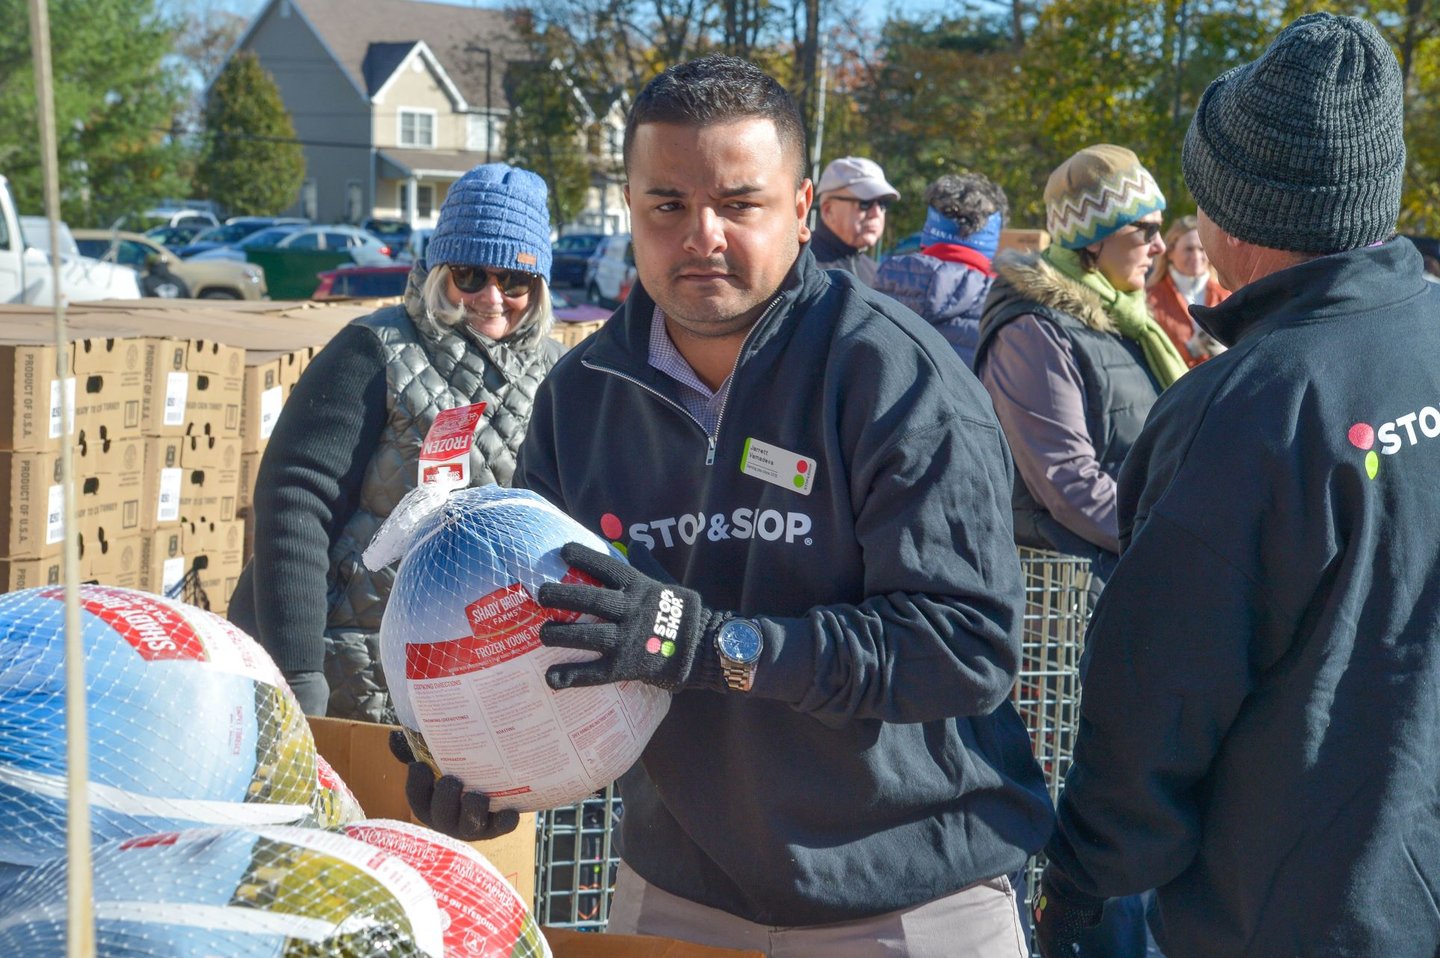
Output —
<point x="26" y="275"/>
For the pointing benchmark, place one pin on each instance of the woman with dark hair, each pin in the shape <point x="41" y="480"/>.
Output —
<point x="1182" y="278"/>
<point x="473" y="328"/>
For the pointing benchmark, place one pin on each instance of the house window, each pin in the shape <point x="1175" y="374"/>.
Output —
<point x="478" y="134"/>
<point x="309" y="200"/>
<point x="417" y="128"/>
<point x="424" y="200"/>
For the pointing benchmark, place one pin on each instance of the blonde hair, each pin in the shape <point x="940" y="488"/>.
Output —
<point x="534" y="324"/>
<point x="1179" y="228"/>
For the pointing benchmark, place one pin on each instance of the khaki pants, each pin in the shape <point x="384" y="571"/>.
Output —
<point x="980" y="921"/>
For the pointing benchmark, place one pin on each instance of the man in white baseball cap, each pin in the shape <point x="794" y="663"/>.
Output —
<point x="853" y="197"/>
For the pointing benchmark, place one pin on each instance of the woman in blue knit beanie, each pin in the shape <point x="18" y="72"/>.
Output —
<point x="472" y="328"/>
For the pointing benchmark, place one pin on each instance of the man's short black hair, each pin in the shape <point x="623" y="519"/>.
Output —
<point x="719" y="89"/>
<point x="968" y="199"/>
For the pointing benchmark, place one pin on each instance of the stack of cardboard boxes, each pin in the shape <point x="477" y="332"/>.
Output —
<point x="173" y="405"/>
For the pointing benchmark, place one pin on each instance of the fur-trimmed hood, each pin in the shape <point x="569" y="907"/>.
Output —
<point x="1027" y="276"/>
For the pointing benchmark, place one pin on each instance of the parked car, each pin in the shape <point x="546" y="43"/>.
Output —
<point x="212" y="279"/>
<point x="81" y="277"/>
<point x="235" y="229"/>
<point x="175" y="215"/>
<point x="260" y="239"/>
<point x="177" y="236"/>
<point x="611" y="271"/>
<point x="364" y="248"/>
<point x="569" y="256"/>
<point x="393" y="233"/>
<point x="414" y="247"/>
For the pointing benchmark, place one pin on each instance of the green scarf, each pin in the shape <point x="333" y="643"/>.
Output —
<point x="1129" y="313"/>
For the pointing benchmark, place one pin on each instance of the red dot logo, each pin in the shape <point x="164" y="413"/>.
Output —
<point x="1361" y="435"/>
<point x="611" y="525"/>
<point x="802" y="467"/>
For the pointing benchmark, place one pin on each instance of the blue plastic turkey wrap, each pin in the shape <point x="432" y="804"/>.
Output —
<point x="461" y="650"/>
<point x="189" y="722"/>
<point x="240" y="893"/>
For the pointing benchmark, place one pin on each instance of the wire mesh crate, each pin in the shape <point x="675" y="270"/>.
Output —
<point x="1047" y="690"/>
<point x="575" y="867"/>
<point x="575" y="871"/>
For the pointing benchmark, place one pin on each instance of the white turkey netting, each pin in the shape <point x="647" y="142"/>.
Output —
<point x="189" y="721"/>
<point x="242" y="893"/>
<point x="462" y="655"/>
<point x="482" y="915"/>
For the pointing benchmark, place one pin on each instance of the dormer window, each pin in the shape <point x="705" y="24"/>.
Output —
<point x="417" y="129"/>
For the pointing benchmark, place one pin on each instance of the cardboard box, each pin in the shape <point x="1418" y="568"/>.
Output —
<point x="210" y="469"/>
<point x="166" y="393"/>
<point x="249" y="473"/>
<point x="162" y="481"/>
<point x="572" y="334"/>
<point x="16" y="574"/>
<point x="1027" y="241"/>
<point x="212" y="550"/>
<point x="113" y="561"/>
<point x="31" y="397"/>
<point x="162" y="559"/>
<point x="217" y="387"/>
<point x="31" y="503"/>
<point x="360" y="754"/>
<point x="269" y="377"/>
<point x="568" y="943"/>
<point x="110" y="385"/>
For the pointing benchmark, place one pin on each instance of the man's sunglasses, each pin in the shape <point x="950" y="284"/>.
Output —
<point x="1148" y="231"/>
<point x="865" y="205"/>
<point x="472" y="279"/>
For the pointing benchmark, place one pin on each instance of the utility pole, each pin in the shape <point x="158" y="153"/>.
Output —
<point x="489" y="105"/>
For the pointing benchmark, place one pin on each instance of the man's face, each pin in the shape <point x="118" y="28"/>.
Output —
<point x="717" y="220"/>
<point x="1213" y="239"/>
<point x="844" y="213"/>
<point x="1124" y="257"/>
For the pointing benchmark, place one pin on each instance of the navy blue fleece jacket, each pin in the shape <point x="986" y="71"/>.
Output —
<point x="877" y="762"/>
<point x="1260" y="726"/>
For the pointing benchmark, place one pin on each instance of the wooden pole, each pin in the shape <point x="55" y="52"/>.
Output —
<point x="80" y="924"/>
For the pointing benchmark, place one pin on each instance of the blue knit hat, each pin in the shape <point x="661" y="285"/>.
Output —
<point x="496" y="216"/>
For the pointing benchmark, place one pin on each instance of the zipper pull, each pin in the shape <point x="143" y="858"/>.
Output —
<point x="710" y="451"/>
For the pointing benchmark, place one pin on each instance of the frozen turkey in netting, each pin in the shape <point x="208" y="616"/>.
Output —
<point x="190" y="723"/>
<point x="482" y="914"/>
<point x="278" y="892"/>
<point x="460" y="645"/>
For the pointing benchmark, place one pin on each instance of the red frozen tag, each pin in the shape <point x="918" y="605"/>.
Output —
<point x="445" y="457"/>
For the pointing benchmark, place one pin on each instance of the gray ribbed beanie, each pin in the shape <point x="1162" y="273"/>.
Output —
<point x="495" y="215"/>
<point x="1304" y="148"/>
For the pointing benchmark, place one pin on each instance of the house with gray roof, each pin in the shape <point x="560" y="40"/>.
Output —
<point x="392" y="99"/>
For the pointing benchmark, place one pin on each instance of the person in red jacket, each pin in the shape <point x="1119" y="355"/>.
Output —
<point x="1183" y="277"/>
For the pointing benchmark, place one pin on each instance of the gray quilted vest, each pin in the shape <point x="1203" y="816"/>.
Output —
<point x="426" y="371"/>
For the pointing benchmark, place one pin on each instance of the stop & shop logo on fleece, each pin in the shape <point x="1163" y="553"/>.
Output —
<point x="772" y="525"/>
<point x="1406" y="430"/>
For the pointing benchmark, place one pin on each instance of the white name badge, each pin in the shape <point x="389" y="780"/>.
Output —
<point x="781" y="467"/>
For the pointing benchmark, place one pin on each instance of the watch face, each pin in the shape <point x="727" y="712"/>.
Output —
<point x="740" y="641"/>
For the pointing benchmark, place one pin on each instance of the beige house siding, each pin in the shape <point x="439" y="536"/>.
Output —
<point x="415" y="87"/>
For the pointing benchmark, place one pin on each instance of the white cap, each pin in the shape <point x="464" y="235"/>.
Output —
<point x="862" y="177"/>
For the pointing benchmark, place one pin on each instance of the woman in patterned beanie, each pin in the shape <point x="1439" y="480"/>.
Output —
<point x="473" y="327"/>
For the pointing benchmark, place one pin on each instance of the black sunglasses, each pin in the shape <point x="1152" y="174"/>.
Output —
<point x="865" y="205"/>
<point x="472" y="279"/>
<point x="1147" y="230"/>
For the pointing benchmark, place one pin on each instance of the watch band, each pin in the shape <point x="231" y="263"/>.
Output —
<point x="737" y="675"/>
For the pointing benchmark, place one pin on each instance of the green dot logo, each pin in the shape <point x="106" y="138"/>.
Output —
<point x="1362" y="436"/>
<point x="667" y="649"/>
<point x="799" y="482"/>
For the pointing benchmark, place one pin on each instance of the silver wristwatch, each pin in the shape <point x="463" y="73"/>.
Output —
<point x="739" y="643"/>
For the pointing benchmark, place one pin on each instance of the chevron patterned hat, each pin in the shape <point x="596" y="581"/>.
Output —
<point x="1096" y="192"/>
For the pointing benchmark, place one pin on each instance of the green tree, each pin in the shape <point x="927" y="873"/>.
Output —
<point x="251" y="162"/>
<point x="114" y="108"/>
<point x="546" y="132"/>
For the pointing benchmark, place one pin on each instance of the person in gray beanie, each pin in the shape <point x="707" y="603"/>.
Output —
<point x="1260" y="724"/>
<point x="473" y="327"/>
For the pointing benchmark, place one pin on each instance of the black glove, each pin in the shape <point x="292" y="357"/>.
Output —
<point x="1062" y="913"/>
<point x="444" y="805"/>
<point x="652" y="631"/>
<point x="311" y="690"/>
